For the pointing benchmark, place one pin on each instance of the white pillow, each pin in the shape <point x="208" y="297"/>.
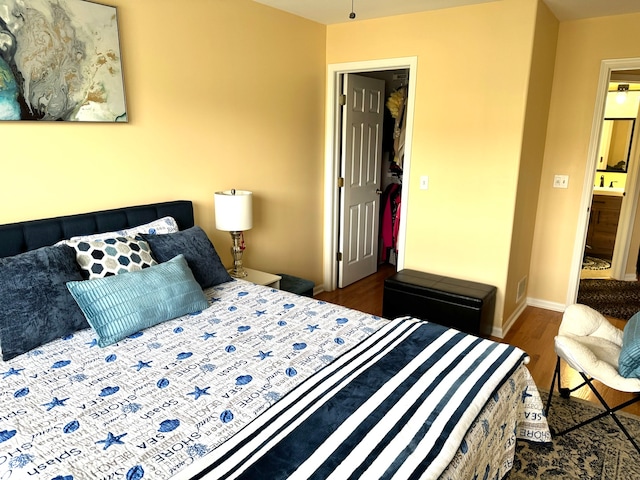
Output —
<point x="160" y="226"/>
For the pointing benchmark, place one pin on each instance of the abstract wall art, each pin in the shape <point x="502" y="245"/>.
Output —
<point x="60" y="61"/>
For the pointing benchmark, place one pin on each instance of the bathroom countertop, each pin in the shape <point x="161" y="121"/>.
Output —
<point x="611" y="191"/>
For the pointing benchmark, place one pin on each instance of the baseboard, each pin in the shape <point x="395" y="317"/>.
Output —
<point x="501" y="332"/>
<point x="556" y="307"/>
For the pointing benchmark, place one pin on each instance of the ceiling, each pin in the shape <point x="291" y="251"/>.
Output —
<point x="337" y="11"/>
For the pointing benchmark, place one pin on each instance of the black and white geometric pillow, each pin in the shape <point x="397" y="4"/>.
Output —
<point x="103" y="258"/>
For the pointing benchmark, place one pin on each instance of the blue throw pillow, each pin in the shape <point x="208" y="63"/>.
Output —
<point x="196" y="247"/>
<point x="121" y="305"/>
<point x="629" y="361"/>
<point x="35" y="305"/>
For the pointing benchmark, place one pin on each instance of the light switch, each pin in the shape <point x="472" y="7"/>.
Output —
<point x="424" y="182"/>
<point x="561" y="181"/>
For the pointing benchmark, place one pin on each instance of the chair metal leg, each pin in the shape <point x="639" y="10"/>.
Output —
<point x="565" y="392"/>
<point x="609" y="411"/>
<point x="556" y="373"/>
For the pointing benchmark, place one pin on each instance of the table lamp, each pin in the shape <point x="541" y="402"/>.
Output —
<point x="234" y="212"/>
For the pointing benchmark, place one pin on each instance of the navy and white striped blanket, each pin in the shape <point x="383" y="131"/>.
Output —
<point x="396" y="406"/>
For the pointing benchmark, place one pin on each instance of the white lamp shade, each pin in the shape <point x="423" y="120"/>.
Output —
<point x="234" y="210"/>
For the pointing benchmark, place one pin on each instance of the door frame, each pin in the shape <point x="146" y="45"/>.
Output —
<point x="632" y="187"/>
<point x="627" y="211"/>
<point x="335" y="72"/>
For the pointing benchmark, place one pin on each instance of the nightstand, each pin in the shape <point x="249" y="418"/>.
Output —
<point x="262" y="278"/>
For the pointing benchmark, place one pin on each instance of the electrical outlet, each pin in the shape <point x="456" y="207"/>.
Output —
<point x="424" y="182"/>
<point x="561" y="181"/>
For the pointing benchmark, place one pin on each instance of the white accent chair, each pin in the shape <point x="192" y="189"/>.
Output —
<point x="591" y="345"/>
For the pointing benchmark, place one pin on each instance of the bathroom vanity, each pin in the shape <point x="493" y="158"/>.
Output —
<point x="603" y="225"/>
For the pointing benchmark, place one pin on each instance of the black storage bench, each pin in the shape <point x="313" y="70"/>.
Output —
<point x="292" y="284"/>
<point x="461" y="304"/>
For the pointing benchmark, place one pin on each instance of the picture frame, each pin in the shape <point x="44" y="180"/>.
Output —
<point x="60" y="60"/>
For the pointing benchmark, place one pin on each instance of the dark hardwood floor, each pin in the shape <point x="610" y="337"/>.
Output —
<point x="533" y="332"/>
<point x="365" y="295"/>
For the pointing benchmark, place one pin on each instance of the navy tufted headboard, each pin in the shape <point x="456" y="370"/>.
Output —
<point x="20" y="237"/>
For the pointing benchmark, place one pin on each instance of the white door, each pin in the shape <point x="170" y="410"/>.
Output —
<point x="361" y="156"/>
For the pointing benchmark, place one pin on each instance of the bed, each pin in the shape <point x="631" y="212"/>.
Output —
<point x="251" y="382"/>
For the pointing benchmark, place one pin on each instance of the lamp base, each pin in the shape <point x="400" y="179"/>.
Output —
<point x="238" y="273"/>
<point x="237" y="249"/>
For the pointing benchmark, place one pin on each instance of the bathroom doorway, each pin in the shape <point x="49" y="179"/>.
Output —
<point x="623" y="253"/>
<point x="611" y="219"/>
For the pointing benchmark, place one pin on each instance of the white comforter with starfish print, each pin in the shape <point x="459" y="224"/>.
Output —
<point x="159" y="401"/>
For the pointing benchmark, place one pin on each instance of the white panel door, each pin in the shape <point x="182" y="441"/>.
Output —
<point x="362" y="119"/>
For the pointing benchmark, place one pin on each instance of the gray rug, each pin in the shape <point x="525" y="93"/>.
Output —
<point x="596" y="451"/>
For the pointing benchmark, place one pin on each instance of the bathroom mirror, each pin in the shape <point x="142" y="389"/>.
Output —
<point x="615" y="144"/>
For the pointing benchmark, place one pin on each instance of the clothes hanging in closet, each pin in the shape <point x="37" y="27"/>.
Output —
<point x="397" y="105"/>
<point x="390" y="219"/>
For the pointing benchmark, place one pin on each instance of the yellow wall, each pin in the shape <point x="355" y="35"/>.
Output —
<point x="582" y="45"/>
<point x="220" y="94"/>
<point x="471" y="96"/>
<point x="535" y="127"/>
<point x="230" y="93"/>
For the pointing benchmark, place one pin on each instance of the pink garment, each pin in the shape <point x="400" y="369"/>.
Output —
<point x="390" y="219"/>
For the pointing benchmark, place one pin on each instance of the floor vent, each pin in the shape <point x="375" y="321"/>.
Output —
<point x="522" y="288"/>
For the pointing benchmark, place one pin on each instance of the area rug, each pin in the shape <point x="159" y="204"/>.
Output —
<point x="595" y="451"/>
<point x="593" y="263"/>
<point x="612" y="298"/>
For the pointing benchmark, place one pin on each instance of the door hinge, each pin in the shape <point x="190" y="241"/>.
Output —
<point x="339" y="256"/>
<point x="340" y="182"/>
<point x="342" y="99"/>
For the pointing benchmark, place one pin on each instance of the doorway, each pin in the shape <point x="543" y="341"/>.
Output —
<point x="606" y="250"/>
<point x="336" y="73"/>
<point x="609" y="70"/>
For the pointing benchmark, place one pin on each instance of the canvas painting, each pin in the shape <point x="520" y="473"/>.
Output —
<point x="60" y="61"/>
